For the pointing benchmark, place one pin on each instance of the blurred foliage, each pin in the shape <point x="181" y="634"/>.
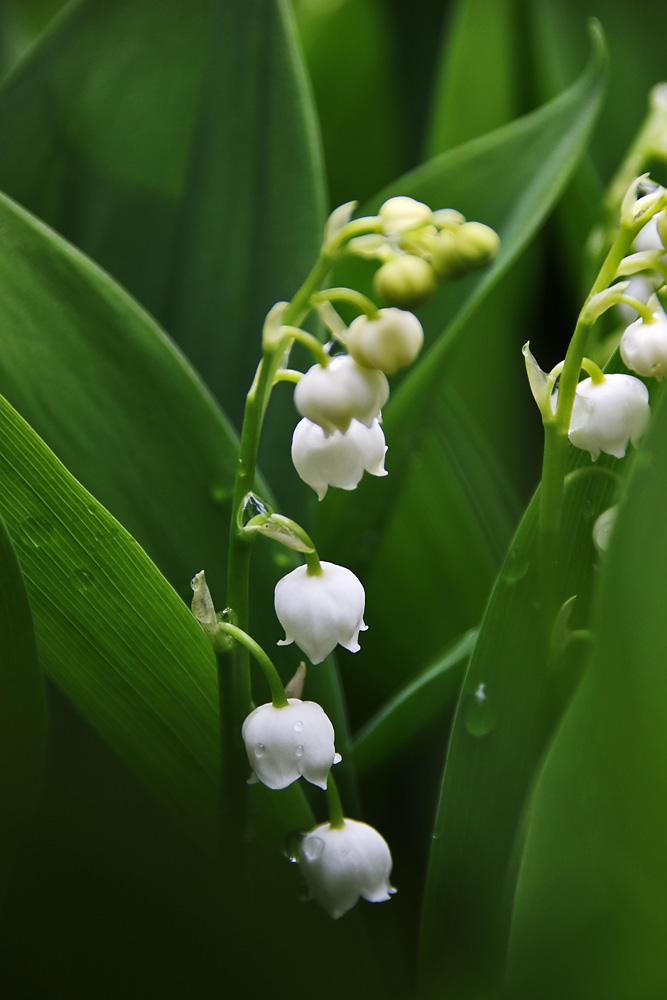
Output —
<point x="166" y="170"/>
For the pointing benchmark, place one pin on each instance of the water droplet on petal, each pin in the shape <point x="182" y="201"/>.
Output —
<point x="478" y="716"/>
<point x="259" y="749"/>
<point x="298" y="726"/>
<point x="312" y="848"/>
<point x="337" y="758"/>
<point x="298" y="750"/>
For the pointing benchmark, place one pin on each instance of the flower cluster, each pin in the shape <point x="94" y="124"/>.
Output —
<point x="418" y="246"/>
<point x="319" y="604"/>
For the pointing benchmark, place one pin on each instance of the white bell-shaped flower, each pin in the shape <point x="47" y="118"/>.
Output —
<point x="608" y="414"/>
<point x="390" y="342"/>
<point x="644" y="345"/>
<point x="320" y="611"/>
<point x="342" y="391"/>
<point x="284" y="744"/>
<point x="337" y="459"/>
<point x="342" y="864"/>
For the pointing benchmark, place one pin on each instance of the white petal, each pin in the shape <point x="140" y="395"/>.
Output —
<point x="342" y="864"/>
<point x="609" y="414"/>
<point x="333" y="396"/>
<point x="286" y="743"/>
<point x="318" y="612"/>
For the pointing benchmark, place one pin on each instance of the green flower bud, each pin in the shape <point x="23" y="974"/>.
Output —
<point x="445" y="218"/>
<point x="478" y="244"/>
<point x="397" y="215"/>
<point x="446" y="258"/>
<point x="406" y="281"/>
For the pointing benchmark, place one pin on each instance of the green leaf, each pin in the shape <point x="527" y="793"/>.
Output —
<point x="510" y="702"/>
<point x="104" y="387"/>
<point x="478" y="80"/>
<point x="445" y="489"/>
<point x="414" y="708"/>
<point x="177" y="146"/>
<point x="592" y="882"/>
<point x="23" y="719"/>
<point x="111" y="631"/>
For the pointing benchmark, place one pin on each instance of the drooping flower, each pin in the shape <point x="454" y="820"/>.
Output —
<point x="644" y="345"/>
<point x="284" y="744"/>
<point x="342" y="391"/>
<point x="389" y="342"/>
<point x="337" y="459"/>
<point x="342" y="864"/>
<point x="320" y="611"/>
<point x="608" y="414"/>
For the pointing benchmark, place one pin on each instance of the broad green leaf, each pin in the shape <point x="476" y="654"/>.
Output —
<point x="414" y="708"/>
<point x="479" y="76"/>
<point x="510" y="701"/>
<point x="177" y="146"/>
<point x="105" y="388"/>
<point x="592" y="881"/>
<point x="23" y="719"/>
<point x="510" y="179"/>
<point x="111" y="631"/>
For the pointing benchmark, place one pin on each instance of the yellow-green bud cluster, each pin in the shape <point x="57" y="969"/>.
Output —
<point x="417" y="246"/>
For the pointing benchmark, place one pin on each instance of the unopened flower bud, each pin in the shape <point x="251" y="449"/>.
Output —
<point x="446" y="218"/>
<point x="446" y="258"/>
<point x="644" y="345"/>
<point x="390" y="342"/>
<point x="478" y="244"/>
<point x="398" y="215"/>
<point x="608" y="414"/>
<point x="337" y="459"/>
<point x="321" y="611"/>
<point x="342" y="864"/>
<point x="405" y="281"/>
<point x="341" y="392"/>
<point x="284" y="744"/>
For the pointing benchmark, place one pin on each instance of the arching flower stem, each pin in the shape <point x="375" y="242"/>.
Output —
<point x="276" y="687"/>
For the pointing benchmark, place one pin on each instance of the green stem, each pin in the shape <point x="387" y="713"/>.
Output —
<point x="357" y="299"/>
<point x="335" y="806"/>
<point x="272" y="676"/>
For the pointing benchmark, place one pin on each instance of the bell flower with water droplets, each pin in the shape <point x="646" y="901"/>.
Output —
<point x="644" y="345"/>
<point x="389" y="342"/>
<point x="342" y="391"/>
<point x="608" y="414"/>
<point x="284" y="744"/>
<point x="337" y="459"/>
<point x="321" y="610"/>
<point x="340" y="864"/>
